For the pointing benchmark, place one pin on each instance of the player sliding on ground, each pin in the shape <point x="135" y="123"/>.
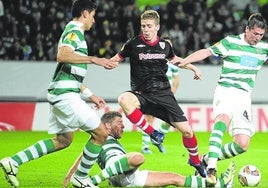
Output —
<point x="122" y="169"/>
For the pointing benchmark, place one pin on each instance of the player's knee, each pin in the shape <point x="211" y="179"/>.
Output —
<point x="62" y="141"/>
<point x="187" y="133"/>
<point x="99" y="138"/>
<point x="224" y="118"/>
<point x="243" y="145"/>
<point x="122" y="99"/>
<point x="242" y="141"/>
<point x="127" y="100"/>
<point x="102" y="138"/>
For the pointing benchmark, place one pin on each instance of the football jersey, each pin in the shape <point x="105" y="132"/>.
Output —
<point x="110" y="148"/>
<point x="148" y="63"/>
<point x="241" y="61"/>
<point x="69" y="76"/>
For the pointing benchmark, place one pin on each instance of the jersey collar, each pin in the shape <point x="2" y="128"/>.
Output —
<point x="150" y="43"/>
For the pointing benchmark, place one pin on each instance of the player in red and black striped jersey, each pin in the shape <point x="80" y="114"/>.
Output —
<point x="150" y="89"/>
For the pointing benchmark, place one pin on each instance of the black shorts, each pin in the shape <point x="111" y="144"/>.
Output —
<point x="161" y="104"/>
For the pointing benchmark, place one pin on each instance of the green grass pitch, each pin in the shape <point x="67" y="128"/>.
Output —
<point x="49" y="171"/>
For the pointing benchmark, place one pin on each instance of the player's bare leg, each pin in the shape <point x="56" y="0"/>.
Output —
<point x="71" y="171"/>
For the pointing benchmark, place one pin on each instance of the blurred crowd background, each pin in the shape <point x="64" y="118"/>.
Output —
<point x="30" y="29"/>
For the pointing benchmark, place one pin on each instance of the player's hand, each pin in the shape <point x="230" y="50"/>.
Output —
<point x="197" y="74"/>
<point x="182" y="64"/>
<point x="111" y="65"/>
<point x="104" y="62"/>
<point x="98" y="101"/>
<point x="176" y="61"/>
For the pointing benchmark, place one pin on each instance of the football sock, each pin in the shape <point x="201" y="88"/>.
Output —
<point x="164" y="128"/>
<point x="215" y="144"/>
<point x="191" y="145"/>
<point x="145" y="140"/>
<point x="35" y="151"/>
<point x="118" y="167"/>
<point x="196" y="181"/>
<point x="230" y="150"/>
<point x="137" y="118"/>
<point x="90" y="154"/>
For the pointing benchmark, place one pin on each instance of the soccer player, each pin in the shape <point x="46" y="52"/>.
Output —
<point x="150" y="89"/>
<point x="173" y="77"/>
<point x="243" y="56"/>
<point x="68" y="110"/>
<point x="122" y="169"/>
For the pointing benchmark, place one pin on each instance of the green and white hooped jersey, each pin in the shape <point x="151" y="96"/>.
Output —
<point x="171" y="71"/>
<point x="68" y="77"/>
<point x="241" y="61"/>
<point x="110" y="149"/>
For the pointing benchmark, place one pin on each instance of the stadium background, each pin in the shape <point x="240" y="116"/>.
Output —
<point x="30" y="30"/>
<point x="24" y="78"/>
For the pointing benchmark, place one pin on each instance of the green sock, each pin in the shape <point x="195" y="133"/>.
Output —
<point x="90" y="155"/>
<point x="215" y="140"/>
<point x="164" y="128"/>
<point x="35" y="151"/>
<point x="196" y="181"/>
<point x="118" y="167"/>
<point x="145" y="140"/>
<point x="230" y="150"/>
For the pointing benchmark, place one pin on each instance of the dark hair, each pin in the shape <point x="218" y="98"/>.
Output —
<point x="258" y="20"/>
<point x="80" y="5"/>
<point x="108" y="117"/>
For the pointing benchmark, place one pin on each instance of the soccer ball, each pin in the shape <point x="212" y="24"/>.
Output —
<point x="249" y="175"/>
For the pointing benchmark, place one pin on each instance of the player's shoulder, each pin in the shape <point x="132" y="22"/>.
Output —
<point x="133" y="40"/>
<point x="166" y="42"/>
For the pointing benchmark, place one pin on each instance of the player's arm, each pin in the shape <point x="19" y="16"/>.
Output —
<point x="196" y="71"/>
<point x="87" y="94"/>
<point x="196" y="57"/>
<point x="67" y="55"/>
<point x="116" y="58"/>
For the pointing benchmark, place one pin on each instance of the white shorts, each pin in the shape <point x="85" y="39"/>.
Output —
<point x="69" y="113"/>
<point x="236" y="104"/>
<point x="133" y="179"/>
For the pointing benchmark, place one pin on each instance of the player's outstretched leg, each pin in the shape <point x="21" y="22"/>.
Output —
<point x="10" y="170"/>
<point x="228" y="175"/>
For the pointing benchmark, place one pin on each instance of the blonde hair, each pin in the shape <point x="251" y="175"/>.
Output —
<point x="151" y="14"/>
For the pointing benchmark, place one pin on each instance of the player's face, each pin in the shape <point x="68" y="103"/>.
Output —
<point x="149" y="29"/>
<point x="117" y="127"/>
<point x="254" y="35"/>
<point x="90" y="20"/>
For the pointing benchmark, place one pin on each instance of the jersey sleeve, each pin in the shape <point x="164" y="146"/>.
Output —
<point x="71" y="39"/>
<point x="220" y="48"/>
<point x="125" y="49"/>
<point x="171" y="53"/>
